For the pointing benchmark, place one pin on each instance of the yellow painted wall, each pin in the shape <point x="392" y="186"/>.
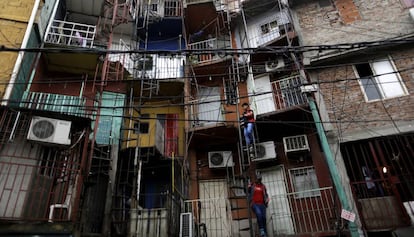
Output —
<point x="14" y="16"/>
<point x="148" y="140"/>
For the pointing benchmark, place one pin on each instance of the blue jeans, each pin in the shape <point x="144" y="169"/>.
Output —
<point x="260" y="211"/>
<point x="248" y="133"/>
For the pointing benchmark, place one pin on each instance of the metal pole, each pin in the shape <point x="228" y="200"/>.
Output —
<point x="353" y="229"/>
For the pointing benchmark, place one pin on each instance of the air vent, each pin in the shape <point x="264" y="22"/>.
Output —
<point x="296" y="143"/>
<point x="220" y="159"/>
<point x="274" y="65"/>
<point x="49" y="130"/>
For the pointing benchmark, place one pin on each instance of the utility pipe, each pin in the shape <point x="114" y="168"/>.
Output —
<point x="353" y="229"/>
<point x="19" y="59"/>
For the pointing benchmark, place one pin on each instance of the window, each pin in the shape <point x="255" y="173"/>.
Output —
<point x="408" y="3"/>
<point x="268" y="27"/>
<point x="154" y="7"/>
<point x="146" y="63"/>
<point x="305" y="182"/>
<point x="142" y="127"/>
<point x="379" y="80"/>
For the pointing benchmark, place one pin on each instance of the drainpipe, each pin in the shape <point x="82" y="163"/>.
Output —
<point x="353" y="229"/>
<point x="19" y="59"/>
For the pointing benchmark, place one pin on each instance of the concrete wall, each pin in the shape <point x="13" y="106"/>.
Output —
<point x="14" y="16"/>
<point x="351" y="21"/>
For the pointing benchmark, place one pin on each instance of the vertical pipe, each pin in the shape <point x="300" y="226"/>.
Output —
<point x="331" y="164"/>
<point x="19" y="60"/>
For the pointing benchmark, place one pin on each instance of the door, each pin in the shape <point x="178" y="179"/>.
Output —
<point x="209" y="107"/>
<point x="264" y="95"/>
<point x="278" y="214"/>
<point x="213" y="213"/>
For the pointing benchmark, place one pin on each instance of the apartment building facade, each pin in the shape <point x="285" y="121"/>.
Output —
<point x="126" y="123"/>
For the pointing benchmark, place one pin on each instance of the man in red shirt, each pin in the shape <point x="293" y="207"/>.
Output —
<point x="259" y="199"/>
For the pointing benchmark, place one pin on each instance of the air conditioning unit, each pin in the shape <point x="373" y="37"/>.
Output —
<point x="296" y="143"/>
<point x="265" y="151"/>
<point x="273" y="65"/>
<point x="49" y="130"/>
<point x="220" y="159"/>
<point x="186" y="224"/>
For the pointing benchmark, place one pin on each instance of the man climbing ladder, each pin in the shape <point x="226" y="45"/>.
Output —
<point x="248" y="126"/>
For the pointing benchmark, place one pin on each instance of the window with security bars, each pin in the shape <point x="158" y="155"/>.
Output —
<point x="269" y="27"/>
<point x="304" y="182"/>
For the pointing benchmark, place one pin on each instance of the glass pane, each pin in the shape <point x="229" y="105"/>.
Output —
<point x="371" y="89"/>
<point x="388" y="79"/>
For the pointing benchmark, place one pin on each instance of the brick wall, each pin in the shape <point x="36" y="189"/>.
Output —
<point x="13" y="23"/>
<point x="352" y="21"/>
<point x="345" y="100"/>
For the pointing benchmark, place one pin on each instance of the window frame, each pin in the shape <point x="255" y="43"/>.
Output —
<point x="268" y="25"/>
<point x="142" y="121"/>
<point x="314" y="191"/>
<point x="375" y="78"/>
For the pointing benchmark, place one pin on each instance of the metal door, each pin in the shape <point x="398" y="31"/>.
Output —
<point x="279" y="217"/>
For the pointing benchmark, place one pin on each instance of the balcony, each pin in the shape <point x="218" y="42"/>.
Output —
<point x="296" y="213"/>
<point x="208" y="45"/>
<point x="267" y="29"/>
<point x="73" y="34"/>
<point x="287" y="93"/>
<point x="159" y="67"/>
<point x="65" y="104"/>
<point x="67" y="34"/>
<point x="280" y="95"/>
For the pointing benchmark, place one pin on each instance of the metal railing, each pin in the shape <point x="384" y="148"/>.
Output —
<point x="71" y="34"/>
<point x="207" y="45"/>
<point x="211" y="216"/>
<point x="287" y="93"/>
<point x="159" y="67"/>
<point x="71" y="105"/>
<point x="172" y="8"/>
<point x="288" y="214"/>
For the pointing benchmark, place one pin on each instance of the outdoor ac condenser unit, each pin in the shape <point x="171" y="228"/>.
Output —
<point x="274" y="65"/>
<point x="186" y="224"/>
<point x="220" y="159"/>
<point x="49" y="130"/>
<point x="265" y="151"/>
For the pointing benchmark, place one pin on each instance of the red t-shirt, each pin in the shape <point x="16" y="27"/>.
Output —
<point x="259" y="195"/>
<point x="249" y="115"/>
